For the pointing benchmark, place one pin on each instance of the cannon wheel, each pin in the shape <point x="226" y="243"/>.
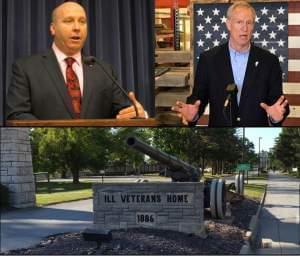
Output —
<point x="217" y="199"/>
<point x="239" y="184"/>
<point x="213" y="209"/>
<point x="221" y="200"/>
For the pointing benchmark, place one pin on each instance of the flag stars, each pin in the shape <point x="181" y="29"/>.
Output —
<point x="208" y="20"/>
<point x="270" y="30"/>
<point x="216" y="43"/>
<point x="272" y="19"/>
<point x="223" y="19"/>
<point x="272" y="35"/>
<point x="208" y="35"/>
<point x="264" y="11"/>
<point x="200" y="43"/>
<point x="264" y="27"/>
<point x="256" y="35"/>
<point x="273" y="50"/>
<point x="281" y="58"/>
<point x="200" y="12"/>
<point x="264" y="43"/>
<point x="200" y="27"/>
<point x="281" y="10"/>
<point x="280" y="27"/>
<point x="281" y="43"/>
<point x="216" y="27"/>
<point x="216" y="12"/>
<point x="224" y="35"/>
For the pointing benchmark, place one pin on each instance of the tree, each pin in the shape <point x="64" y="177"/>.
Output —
<point x="220" y="147"/>
<point x="70" y="149"/>
<point x="121" y="153"/>
<point x="285" y="149"/>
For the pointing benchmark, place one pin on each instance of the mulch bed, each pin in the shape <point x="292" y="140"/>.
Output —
<point x="224" y="237"/>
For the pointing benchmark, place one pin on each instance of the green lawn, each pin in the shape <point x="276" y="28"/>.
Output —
<point x="261" y="177"/>
<point x="59" y="192"/>
<point x="292" y="174"/>
<point x="254" y="190"/>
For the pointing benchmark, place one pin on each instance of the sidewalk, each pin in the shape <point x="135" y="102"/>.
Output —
<point x="26" y="228"/>
<point x="279" y="222"/>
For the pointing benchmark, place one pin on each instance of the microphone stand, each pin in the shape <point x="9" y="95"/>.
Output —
<point x="229" y="105"/>
<point x="230" y="112"/>
<point x="91" y="61"/>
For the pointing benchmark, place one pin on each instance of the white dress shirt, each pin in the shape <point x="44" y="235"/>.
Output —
<point x="77" y="66"/>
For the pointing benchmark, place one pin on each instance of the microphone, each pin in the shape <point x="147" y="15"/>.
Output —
<point x="91" y="61"/>
<point x="231" y="89"/>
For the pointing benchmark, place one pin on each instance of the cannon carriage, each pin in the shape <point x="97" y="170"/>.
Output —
<point x="215" y="190"/>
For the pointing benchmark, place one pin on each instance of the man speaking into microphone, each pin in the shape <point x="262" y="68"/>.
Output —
<point x="256" y="97"/>
<point x="63" y="84"/>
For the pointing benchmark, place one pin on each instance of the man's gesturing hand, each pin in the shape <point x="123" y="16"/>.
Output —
<point x="187" y="112"/>
<point x="136" y="110"/>
<point x="276" y="111"/>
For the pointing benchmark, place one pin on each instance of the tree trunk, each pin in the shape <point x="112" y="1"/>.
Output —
<point x="63" y="174"/>
<point x="75" y="174"/>
<point x="203" y="165"/>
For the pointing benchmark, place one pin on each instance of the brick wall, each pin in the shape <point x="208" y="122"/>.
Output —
<point x="168" y="206"/>
<point x="16" y="166"/>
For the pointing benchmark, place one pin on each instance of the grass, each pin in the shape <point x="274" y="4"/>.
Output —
<point x="217" y="176"/>
<point x="254" y="190"/>
<point x="292" y="174"/>
<point x="260" y="177"/>
<point x="59" y="192"/>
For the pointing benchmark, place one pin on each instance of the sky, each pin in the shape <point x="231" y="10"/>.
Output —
<point x="268" y="136"/>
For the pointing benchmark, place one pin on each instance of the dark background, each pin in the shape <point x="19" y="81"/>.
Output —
<point x="120" y="33"/>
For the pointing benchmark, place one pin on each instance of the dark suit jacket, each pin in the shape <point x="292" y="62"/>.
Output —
<point x="38" y="91"/>
<point x="262" y="83"/>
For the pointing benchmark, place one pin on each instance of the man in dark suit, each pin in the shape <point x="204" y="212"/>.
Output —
<point x="241" y="82"/>
<point x="63" y="84"/>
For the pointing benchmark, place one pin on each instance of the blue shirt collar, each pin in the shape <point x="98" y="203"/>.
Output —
<point x="233" y="51"/>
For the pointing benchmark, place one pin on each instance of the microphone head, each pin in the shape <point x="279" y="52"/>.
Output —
<point x="89" y="60"/>
<point x="231" y="88"/>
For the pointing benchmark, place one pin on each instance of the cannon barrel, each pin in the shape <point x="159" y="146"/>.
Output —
<point x="179" y="170"/>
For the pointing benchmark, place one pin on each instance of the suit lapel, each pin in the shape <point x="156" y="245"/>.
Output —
<point x="224" y="66"/>
<point x="250" y="75"/>
<point x="57" y="79"/>
<point x="87" y="88"/>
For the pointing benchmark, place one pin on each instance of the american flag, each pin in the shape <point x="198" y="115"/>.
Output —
<point x="277" y="29"/>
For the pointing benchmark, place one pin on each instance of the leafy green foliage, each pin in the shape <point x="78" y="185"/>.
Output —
<point x="221" y="149"/>
<point x="78" y="149"/>
<point x="286" y="153"/>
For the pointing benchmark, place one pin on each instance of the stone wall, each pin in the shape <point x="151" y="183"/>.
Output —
<point x="16" y="171"/>
<point x="168" y="206"/>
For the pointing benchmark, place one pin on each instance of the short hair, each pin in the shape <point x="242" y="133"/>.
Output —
<point x="238" y="4"/>
<point x="53" y="15"/>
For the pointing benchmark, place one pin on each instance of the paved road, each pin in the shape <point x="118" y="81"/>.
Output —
<point x="280" y="217"/>
<point x="26" y="228"/>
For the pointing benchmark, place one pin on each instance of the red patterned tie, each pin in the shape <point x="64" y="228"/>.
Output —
<point x="73" y="87"/>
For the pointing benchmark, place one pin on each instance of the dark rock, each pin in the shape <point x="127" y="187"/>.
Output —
<point x="223" y="238"/>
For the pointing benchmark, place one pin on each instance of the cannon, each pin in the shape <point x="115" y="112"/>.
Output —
<point x="179" y="170"/>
